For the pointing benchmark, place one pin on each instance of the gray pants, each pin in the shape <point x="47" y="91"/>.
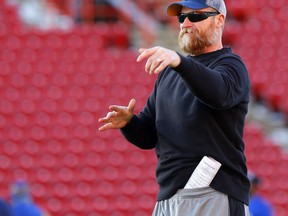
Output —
<point x="196" y="202"/>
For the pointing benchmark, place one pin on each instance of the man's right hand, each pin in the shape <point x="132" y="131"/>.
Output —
<point x="118" y="117"/>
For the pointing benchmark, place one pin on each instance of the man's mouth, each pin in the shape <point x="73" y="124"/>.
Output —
<point x="187" y="30"/>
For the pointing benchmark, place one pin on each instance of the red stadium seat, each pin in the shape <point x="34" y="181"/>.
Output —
<point x="274" y="93"/>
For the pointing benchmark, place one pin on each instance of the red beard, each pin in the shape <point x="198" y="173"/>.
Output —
<point x="196" y="42"/>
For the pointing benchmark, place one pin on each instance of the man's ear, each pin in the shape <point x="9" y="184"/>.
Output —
<point x="220" y="20"/>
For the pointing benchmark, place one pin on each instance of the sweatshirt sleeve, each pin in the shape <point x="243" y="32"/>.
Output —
<point x="141" y="130"/>
<point x="222" y="87"/>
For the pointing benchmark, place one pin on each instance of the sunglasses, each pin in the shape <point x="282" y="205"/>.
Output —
<point x="196" y="16"/>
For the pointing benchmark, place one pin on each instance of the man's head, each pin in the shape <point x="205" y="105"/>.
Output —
<point x="202" y="24"/>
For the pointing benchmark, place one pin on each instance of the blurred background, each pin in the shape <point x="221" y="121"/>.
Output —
<point x="63" y="62"/>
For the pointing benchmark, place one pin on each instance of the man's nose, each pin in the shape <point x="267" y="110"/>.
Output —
<point x="186" y="23"/>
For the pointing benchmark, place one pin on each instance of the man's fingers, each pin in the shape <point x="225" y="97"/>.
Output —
<point x="100" y="120"/>
<point x="158" y="58"/>
<point x="110" y="115"/>
<point x="155" y="59"/>
<point x="106" y="127"/>
<point x="146" y="53"/>
<point x="152" y="63"/>
<point x="141" y="50"/>
<point x="119" y="109"/>
<point x="131" y="105"/>
<point x="140" y="57"/>
<point x="160" y="68"/>
<point x="107" y="117"/>
<point x="156" y="66"/>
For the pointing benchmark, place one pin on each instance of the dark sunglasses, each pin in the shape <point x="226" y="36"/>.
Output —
<point x="196" y="16"/>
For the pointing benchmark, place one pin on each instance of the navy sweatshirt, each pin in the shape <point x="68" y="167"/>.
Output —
<point x="197" y="109"/>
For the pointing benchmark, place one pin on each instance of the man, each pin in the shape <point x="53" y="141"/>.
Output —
<point x="197" y="108"/>
<point x="258" y="205"/>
